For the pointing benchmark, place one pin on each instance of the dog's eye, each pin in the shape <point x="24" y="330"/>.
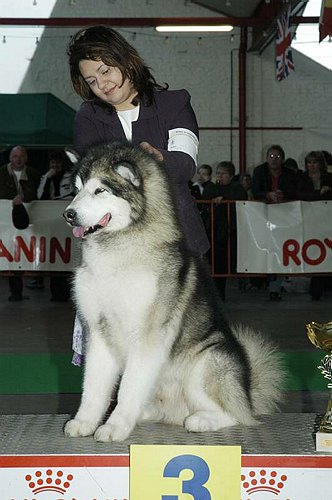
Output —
<point x="99" y="190"/>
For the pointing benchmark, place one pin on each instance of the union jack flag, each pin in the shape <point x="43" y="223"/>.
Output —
<point x="284" y="57"/>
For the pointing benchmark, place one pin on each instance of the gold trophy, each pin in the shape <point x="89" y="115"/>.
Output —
<point x="320" y="334"/>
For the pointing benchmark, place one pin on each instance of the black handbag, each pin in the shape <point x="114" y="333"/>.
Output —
<point x="20" y="216"/>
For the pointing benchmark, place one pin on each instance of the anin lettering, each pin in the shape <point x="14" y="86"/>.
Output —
<point x="38" y="250"/>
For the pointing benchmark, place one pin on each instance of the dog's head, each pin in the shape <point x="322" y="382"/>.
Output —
<point x="110" y="190"/>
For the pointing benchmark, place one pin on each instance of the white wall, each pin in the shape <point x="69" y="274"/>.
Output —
<point x="207" y="66"/>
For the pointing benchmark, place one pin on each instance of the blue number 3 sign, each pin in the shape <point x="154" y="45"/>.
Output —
<point x="194" y="486"/>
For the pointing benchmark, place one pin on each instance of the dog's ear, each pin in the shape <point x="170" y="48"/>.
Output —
<point x="72" y="155"/>
<point x="128" y="172"/>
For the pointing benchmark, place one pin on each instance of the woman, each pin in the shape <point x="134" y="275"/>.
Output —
<point x="315" y="184"/>
<point x="123" y="101"/>
<point x="56" y="184"/>
<point x="229" y="187"/>
<point x="245" y="180"/>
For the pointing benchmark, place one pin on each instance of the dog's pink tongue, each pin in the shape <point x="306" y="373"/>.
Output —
<point x="78" y="231"/>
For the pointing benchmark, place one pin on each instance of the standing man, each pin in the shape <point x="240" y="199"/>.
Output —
<point x="273" y="182"/>
<point x="18" y="183"/>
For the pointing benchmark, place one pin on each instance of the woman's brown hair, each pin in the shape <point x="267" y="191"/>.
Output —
<point x="316" y="156"/>
<point x="101" y="43"/>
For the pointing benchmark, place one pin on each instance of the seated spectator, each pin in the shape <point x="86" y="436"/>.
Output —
<point x="56" y="185"/>
<point x="245" y="180"/>
<point x="315" y="184"/>
<point x="225" y="234"/>
<point x="204" y="189"/>
<point x="273" y="182"/>
<point x="18" y="182"/>
<point x="204" y="182"/>
<point x="228" y="187"/>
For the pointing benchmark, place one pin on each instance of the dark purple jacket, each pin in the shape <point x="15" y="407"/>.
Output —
<point x="96" y="124"/>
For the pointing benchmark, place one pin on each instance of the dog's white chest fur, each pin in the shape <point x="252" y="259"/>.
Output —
<point x="124" y="299"/>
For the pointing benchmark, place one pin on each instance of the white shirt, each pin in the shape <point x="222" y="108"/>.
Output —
<point x="126" y="118"/>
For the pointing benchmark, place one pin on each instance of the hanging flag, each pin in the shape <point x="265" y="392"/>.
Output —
<point x="325" y="20"/>
<point x="284" y="57"/>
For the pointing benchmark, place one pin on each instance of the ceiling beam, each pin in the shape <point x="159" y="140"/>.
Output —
<point x="146" y="22"/>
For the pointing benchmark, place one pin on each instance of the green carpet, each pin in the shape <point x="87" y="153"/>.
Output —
<point x="54" y="373"/>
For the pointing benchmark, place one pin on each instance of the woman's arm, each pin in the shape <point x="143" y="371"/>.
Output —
<point x="86" y="132"/>
<point x="178" y="119"/>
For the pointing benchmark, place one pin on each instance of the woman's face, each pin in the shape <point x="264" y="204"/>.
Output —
<point x="56" y="165"/>
<point x="107" y="84"/>
<point x="313" y="166"/>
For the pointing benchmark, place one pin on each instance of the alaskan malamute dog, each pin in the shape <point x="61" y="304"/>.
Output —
<point x="154" y="320"/>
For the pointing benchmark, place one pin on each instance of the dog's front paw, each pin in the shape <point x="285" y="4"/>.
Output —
<point x="104" y="433"/>
<point x="79" y="428"/>
<point x="109" y="432"/>
<point x="116" y="429"/>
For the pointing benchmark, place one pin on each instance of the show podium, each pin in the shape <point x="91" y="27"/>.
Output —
<point x="278" y="459"/>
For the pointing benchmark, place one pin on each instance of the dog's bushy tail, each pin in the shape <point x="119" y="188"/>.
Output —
<point x="268" y="374"/>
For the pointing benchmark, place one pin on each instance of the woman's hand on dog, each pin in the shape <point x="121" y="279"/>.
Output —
<point x="146" y="146"/>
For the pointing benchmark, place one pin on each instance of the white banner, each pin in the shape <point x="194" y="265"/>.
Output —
<point x="286" y="238"/>
<point x="47" y="244"/>
<point x="106" y="477"/>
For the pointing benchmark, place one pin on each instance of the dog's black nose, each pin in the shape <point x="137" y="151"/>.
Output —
<point x="69" y="215"/>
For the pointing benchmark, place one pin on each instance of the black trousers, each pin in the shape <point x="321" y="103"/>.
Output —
<point x="16" y="285"/>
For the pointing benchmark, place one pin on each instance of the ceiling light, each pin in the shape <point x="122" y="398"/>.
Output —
<point x="214" y="28"/>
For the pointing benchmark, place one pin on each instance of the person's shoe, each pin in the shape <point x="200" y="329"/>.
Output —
<point x="15" y="298"/>
<point x="275" y="297"/>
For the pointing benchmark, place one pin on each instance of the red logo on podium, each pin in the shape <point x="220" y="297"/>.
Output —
<point x="263" y="481"/>
<point x="49" y="480"/>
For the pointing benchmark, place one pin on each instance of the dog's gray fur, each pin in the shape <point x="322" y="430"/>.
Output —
<point x="153" y="316"/>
